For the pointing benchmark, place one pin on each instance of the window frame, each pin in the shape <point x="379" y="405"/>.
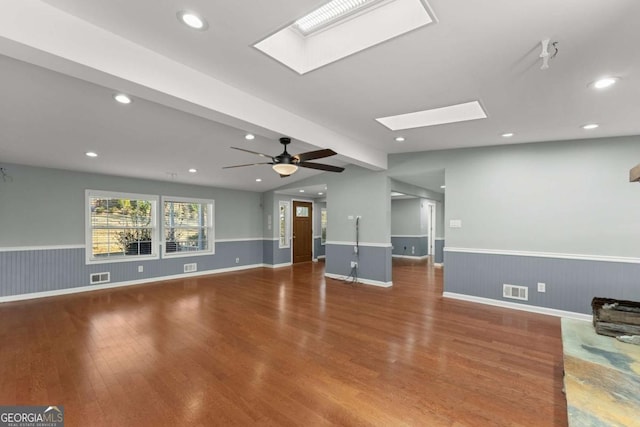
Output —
<point x="88" y="234"/>
<point x="210" y="225"/>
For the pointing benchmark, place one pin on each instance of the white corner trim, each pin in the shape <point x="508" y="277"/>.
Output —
<point x="360" y="280"/>
<point x="374" y="245"/>
<point x="80" y="289"/>
<point x="522" y="307"/>
<point x="284" y="264"/>
<point x="605" y="258"/>
<point x="410" y="256"/>
<point x="409" y="235"/>
<point x="40" y="248"/>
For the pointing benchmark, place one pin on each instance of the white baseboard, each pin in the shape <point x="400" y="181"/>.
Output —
<point x="67" y="291"/>
<point x="321" y="257"/>
<point x="522" y="307"/>
<point x="410" y="256"/>
<point x="438" y="264"/>
<point x="284" y="264"/>
<point x="360" y="280"/>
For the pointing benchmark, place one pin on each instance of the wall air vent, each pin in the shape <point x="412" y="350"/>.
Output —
<point x="96" y="278"/>
<point x="190" y="268"/>
<point x="515" y="292"/>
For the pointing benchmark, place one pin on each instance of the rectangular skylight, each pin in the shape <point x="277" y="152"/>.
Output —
<point x="437" y="116"/>
<point x="329" y="13"/>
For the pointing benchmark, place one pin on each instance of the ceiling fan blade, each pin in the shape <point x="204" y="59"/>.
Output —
<point x="248" y="164"/>
<point x="253" y="152"/>
<point x="320" y="166"/>
<point x="319" y="154"/>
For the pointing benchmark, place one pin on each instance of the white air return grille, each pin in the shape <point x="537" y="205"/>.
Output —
<point x="515" y="292"/>
<point x="190" y="268"/>
<point x="96" y="278"/>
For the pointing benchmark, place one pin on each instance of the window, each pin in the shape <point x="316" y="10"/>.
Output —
<point x="283" y="224"/>
<point x="323" y="226"/>
<point x="120" y="226"/>
<point x="187" y="226"/>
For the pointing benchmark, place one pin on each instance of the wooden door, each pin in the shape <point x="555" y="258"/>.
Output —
<point x="302" y="231"/>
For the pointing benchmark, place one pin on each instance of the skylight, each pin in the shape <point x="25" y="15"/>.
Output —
<point x="341" y="28"/>
<point x="329" y="13"/>
<point x="436" y="116"/>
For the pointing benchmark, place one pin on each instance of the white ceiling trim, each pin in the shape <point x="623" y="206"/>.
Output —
<point x="43" y="35"/>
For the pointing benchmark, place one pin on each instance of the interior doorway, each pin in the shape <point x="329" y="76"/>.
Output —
<point x="302" y="231"/>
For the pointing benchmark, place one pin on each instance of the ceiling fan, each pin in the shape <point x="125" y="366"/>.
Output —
<point x="286" y="164"/>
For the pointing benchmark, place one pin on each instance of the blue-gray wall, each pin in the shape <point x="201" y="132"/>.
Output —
<point x="416" y="246"/>
<point x="30" y="271"/>
<point x="438" y="256"/>
<point x="374" y="262"/>
<point x="42" y="230"/>
<point x="571" y="284"/>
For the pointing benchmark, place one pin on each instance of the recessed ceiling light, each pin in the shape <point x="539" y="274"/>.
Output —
<point x="302" y="191"/>
<point x="192" y="170"/>
<point x="320" y="193"/>
<point x="590" y="126"/>
<point x="249" y="136"/>
<point x="604" y="83"/>
<point x="258" y="179"/>
<point x="507" y="135"/>
<point x="91" y="154"/>
<point x="399" y="139"/>
<point x="436" y="116"/>
<point x="443" y="186"/>
<point x="122" y="98"/>
<point x="192" y="20"/>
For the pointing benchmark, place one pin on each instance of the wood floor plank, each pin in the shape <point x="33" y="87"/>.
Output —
<point x="283" y="347"/>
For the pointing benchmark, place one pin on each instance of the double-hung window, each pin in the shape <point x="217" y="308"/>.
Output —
<point x="187" y="226"/>
<point x="120" y="226"/>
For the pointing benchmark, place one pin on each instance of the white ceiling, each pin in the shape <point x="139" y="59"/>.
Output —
<point x="196" y="93"/>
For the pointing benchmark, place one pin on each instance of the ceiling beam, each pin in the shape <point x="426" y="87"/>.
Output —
<point x="38" y="33"/>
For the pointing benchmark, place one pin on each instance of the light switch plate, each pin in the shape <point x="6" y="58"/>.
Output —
<point x="455" y="223"/>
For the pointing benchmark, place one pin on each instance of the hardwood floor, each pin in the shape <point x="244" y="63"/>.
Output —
<point x="282" y="347"/>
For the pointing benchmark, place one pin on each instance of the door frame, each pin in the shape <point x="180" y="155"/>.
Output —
<point x="431" y="226"/>
<point x="313" y="226"/>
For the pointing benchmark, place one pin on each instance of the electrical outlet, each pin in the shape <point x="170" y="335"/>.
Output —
<point x="237" y="260"/>
<point x="542" y="287"/>
<point x="354" y="264"/>
<point x="355" y="249"/>
<point x="140" y="269"/>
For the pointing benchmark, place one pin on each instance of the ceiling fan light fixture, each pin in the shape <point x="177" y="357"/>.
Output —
<point x="285" y="168"/>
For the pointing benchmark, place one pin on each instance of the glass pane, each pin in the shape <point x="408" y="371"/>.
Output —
<point x="185" y="214"/>
<point x="302" y="211"/>
<point x="186" y="239"/>
<point x="323" y="225"/>
<point x="120" y="227"/>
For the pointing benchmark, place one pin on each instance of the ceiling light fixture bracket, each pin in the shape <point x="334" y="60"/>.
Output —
<point x="545" y="52"/>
